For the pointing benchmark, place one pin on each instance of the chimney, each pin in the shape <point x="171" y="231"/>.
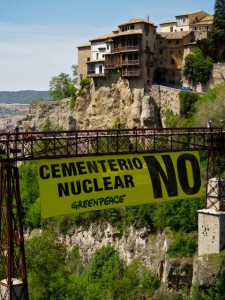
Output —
<point x="147" y="18"/>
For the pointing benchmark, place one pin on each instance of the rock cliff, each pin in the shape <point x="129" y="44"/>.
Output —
<point x="151" y="250"/>
<point x="99" y="110"/>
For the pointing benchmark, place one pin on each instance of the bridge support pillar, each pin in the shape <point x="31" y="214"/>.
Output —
<point x="13" y="280"/>
<point x="211" y="221"/>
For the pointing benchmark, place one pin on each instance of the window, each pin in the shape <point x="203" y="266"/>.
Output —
<point x="171" y="28"/>
<point x="146" y="29"/>
<point x="97" y="55"/>
<point x="160" y="51"/>
<point x="184" y="21"/>
<point x="88" y="59"/>
<point x="177" y="42"/>
<point x="171" y="51"/>
<point x="172" y="61"/>
<point x="107" y="46"/>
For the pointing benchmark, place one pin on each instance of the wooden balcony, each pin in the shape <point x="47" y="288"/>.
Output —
<point x="127" y="48"/>
<point x="132" y="62"/>
<point x="131" y="73"/>
<point x="118" y="64"/>
<point x="109" y="65"/>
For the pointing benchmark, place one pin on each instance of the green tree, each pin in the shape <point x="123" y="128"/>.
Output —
<point x="178" y="215"/>
<point x="217" y="32"/>
<point x="60" y="86"/>
<point x="46" y="256"/>
<point x="29" y="191"/>
<point x="197" y="68"/>
<point x="63" y="86"/>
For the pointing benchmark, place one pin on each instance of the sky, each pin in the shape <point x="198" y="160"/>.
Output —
<point x="39" y="38"/>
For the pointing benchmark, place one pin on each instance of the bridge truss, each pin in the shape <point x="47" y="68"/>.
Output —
<point x="23" y="146"/>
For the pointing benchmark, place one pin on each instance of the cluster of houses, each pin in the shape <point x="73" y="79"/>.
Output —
<point x="136" y="51"/>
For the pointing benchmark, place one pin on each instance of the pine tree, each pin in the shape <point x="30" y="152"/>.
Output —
<point x="217" y="33"/>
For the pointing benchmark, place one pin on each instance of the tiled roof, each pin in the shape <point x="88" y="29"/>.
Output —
<point x="103" y="37"/>
<point x="205" y="21"/>
<point x="84" y="45"/>
<point x="191" y="13"/>
<point x="136" y="20"/>
<point x="113" y="34"/>
<point x="174" y="35"/>
<point x="168" y="22"/>
<point x="128" y="32"/>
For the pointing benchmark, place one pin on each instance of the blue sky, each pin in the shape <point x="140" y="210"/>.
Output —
<point x="38" y="38"/>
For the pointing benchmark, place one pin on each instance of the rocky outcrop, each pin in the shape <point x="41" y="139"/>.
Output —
<point x="98" y="110"/>
<point x="151" y="250"/>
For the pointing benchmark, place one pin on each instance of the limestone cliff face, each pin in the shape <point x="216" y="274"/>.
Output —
<point x="99" y="110"/>
<point x="107" y="104"/>
<point x="135" y="243"/>
<point x="141" y="244"/>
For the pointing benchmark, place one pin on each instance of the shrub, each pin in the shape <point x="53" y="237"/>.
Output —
<point x="182" y="246"/>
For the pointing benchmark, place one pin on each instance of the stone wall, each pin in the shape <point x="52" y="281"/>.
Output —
<point x="165" y="98"/>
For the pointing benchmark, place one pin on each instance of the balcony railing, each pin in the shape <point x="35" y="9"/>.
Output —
<point x="117" y="64"/>
<point x="131" y="73"/>
<point x="109" y="65"/>
<point x="127" y="48"/>
<point x="94" y="74"/>
<point x="131" y="62"/>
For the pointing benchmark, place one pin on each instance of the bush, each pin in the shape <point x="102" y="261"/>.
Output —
<point x="182" y="246"/>
<point x="187" y="103"/>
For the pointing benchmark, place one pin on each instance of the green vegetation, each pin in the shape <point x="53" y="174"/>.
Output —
<point x="53" y="276"/>
<point x="217" y="32"/>
<point x="187" y="103"/>
<point x="182" y="246"/>
<point x="63" y="86"/>
<point x="197" y="68"/>
<point x="85" y="84"/>
<point x="211" y="107"/>
<point x="29" y="191"/>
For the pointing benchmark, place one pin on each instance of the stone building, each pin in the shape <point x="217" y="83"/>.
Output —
<point x="175" y="40"/>
<point x="127" y="52"/>
<point x="135" y="51"/>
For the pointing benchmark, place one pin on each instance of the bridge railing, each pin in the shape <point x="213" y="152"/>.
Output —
<point x="22" y="146"/>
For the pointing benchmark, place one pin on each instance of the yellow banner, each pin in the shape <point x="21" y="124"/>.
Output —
<point x="83" y="184"/>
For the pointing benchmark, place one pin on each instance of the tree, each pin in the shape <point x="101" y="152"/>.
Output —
<point x="197" y="68"/>
<point x="63" y="86"/>
<point x="60" y="86"/>
<point x="217" y="32"/>
<point x="29" y="191"/>
<point x="46" y="257"/>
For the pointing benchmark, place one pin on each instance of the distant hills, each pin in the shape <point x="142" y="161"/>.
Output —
<point x="24" y="97"/>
